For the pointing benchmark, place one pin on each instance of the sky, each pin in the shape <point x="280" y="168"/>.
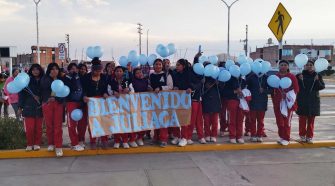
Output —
<point x="186" y="23"/>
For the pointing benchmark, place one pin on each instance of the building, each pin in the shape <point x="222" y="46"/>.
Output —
<point x="47" y="55"/>
<point x="271" y="53"/>
<point x="23" y="61"/>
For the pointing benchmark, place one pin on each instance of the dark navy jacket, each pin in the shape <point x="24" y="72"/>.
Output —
<point x="211" y="101"/>
<point x="259" y="101"/>
<point x="227" y="89"/>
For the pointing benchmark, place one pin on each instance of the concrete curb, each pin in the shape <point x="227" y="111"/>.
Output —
<point x="43" y="153"/>
<point x="327" y="95"/>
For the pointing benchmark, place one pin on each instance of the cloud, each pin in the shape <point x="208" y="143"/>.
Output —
<point x="85" y="3"/>
<point x="8" y="8"/>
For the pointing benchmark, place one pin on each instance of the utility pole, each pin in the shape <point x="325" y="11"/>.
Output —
<point x="245" y="41"/>
<point x="139" y="31"/>
<point x="148" y="42"/>
<point x="67" y="39"/>
<point x="37" y="32"/>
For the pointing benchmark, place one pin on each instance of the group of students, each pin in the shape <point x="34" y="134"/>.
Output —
<point x="211" y="100"/>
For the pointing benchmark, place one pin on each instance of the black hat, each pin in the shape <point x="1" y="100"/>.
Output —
<point x="96" y="64"/>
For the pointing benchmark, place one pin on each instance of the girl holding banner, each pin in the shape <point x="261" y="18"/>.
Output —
<point x="159" y="81"/>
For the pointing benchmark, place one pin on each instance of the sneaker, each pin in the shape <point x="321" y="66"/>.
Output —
<point x="104" y="145"/>
<point x="163" y="144"/>
<point x="208" y="139"/>
<point x="59" y="152"/>
<point x="51" y="148"/>
<point x="213" y="139"/>
<point x="302" y="139"/>
<point x="202" y="141"/>
<point x="116" y="145"/>
<point x="182" y="142"/>
<point x="241" y="141"/>
<point x="125" y="145"/>
<point x="309" y="140"/>
<point x="175" y="141"/>
<point x="93" y="146"/>
<point x="221" y="133"/>
<point x="37" y="147"/>
<point x="29" y="148"/>
<point x="81" y="143"/>
<point x="133" y="144"/>
<point x="140" y="142"/>
<point x="190" y="142"/>
<point x="284" y="142"/>
<point x="253" y="139"/>
<point x="279" y="140"/>
<point x="232" y="141"/>
<point x="260" y="139"/>
<point x="78" y="148"/>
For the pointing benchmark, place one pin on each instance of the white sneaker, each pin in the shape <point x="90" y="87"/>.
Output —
<point x="78" y="148"/>
<point x="221" y="133"/>
<point x="140" y="142"/>
<point x="260" y="139"/>
<point x="208" y="139"/>
<point x="309" y="140"/>
<point x="241" y="141"/>
<point x="232" y="141"/>
<point x="253" y="139"/>
<point x="279" y="140"/>
<point x="133" y="144"/>
<point x="29" y="148"/>
<point x="202" y="141"/>
<point x="125" y="145"/>
<point x="37" y="147"/>
<point x="190" y="142"/>
<point x="116" y="145"/>
<point x="51" y="148"/>
<point x="302" y="139"/>
<point x="81" y="143"/>
<point x="213" y="139"/>
<point x="182" y="142"/>
<point x="175" y="141"/>
<point x="284" y="142"/>
<point x="59" y="152"/>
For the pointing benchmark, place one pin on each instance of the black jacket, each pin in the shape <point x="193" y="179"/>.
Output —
<point x="46" y="91"/>
<point x="94" y="88"/>
<point x="182" y="80"/>
<point x="74" y="82"/>
<point x="259" y="101"/>
<point x="308" y="98"/>
<point x="211" y="101"/>
<point x="227" y="88"/>
<point x="31" y="107"/>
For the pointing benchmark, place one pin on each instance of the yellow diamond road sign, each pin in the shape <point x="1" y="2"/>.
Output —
<point x="279" y="22"/>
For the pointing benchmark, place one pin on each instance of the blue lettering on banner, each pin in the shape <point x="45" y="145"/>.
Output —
<point x="135" y="123"/>
<point x="124" y="104"/>
<point x="185" y="100"/>
<point x="113" y="108"/>
<point x="174" y="120"/>
<point x="156" y="101"/>
<point x="97" y="130"/>
<point x="125" y="123"/>
<point x="155" y="120"/>
<point x="165" y="99"/>
<point x="162" y="115"/>
<point x="145" y="106"/>
<point x="146" y="125"/>
<point x="104" y="110"/>
<point x="115" y="127"/>
<point x="175" y="96"/>
<point x="134" y="100"/>
<point x="94" y="109"/>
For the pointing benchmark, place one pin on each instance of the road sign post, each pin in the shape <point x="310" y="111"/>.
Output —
<point x="61" y="48"/>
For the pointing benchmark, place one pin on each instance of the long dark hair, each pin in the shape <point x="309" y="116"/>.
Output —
<point x="71" y="65"/>
<point x="184" y="63"/>
<point x="39" y="68"/>
<point x="49" y="68"/>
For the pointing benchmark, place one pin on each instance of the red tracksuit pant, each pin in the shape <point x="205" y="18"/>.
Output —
<point x="53" y="116"/>
<point x="247" y="122"/>
<point x="76" y="129"/>
<point x="211" y="124"/>
<point x="257" y="123"/>
<point x="33" y="128"/>
<point x="223" y="116"/>
<point x="235" y="119"/>
<point x="196" y="120"/>
<point x="309" y="122"/>
<point x="283" y="123"/>
<point x="161" y="135"/>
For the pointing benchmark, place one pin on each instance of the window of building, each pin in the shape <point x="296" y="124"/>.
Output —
<point x="287" y="52"/>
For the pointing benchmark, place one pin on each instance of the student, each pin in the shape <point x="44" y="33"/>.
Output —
<point x="119" y="85"/>
<point x="13" y="99"/>
<point x="109" y="69"/>
<point x="232" y="92"/>
<point x="159" y="81"/>
<point x="82" y="70"/>
<point x="211" y="107"/>
<point x="173" y="133"/>
<point x="53" y="108"/>
<point x="4" y="98"/>
<point x="258" y="105"/>
<point x="308" y="99"/>
<point x="182" y="81"/>
<point x="139" y="84"/>
<point x="30" y="106"/>
<point x="75" y="101"/>
<point x="223" y="113"/>
<point x="95" y="85"/>
<point x="284" y="122"/>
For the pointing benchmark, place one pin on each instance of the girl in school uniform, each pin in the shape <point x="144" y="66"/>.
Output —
<point x="159" y="81"/>
<point x="284" y="122"/>
<point x="30" y="106"/>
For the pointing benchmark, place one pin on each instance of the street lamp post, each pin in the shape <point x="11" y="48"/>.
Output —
<point x="228" y="6"/>
<point x="37" y="32"/>
<point x="148" y="42"/>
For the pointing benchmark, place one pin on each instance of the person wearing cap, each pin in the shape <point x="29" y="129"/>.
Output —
<point x="95" y="85"/>
<point x="279" y="94"/>
<point x="308" y="99"/>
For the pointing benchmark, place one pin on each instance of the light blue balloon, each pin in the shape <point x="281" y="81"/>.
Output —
<point x="285" y="83"/>
<point x="12" y="88"/>
<point x="266" y="66"/>
<point x="203" y="59"/>
<point x="172" y="48"/>
<point x="235" y="71"/>
<point x="143" y="59"/>
<point x="123" y="61"/>
<point x="22" y="80"/>
<point x="213" y="59"/>
<point x="229" y="63"/>
<point x="163" y="52"/>
<point x="256" y="67"/>
<point x="57" y="86"/>
<point x="90" y="52"/>
<point x="158" y="48"/>
<point x="97" y="50"/>
<point x="250" y="60"/>
<point x="259" y="60"/>
<point x="65" y="92"/>
<point x="151" y="59"/>
<point x="224" y="76"/>
<point x="241" y="59"/>
<point x="215" y="72"/>
<point x="76" y="115"/>
<point x="199" y="68"/>
<point x="320" y="65"/>
<point x="209" y="70"/>
<point x="301" y="60"/>
<point x="245" y="69"/>
<point x="273" y="81"/>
